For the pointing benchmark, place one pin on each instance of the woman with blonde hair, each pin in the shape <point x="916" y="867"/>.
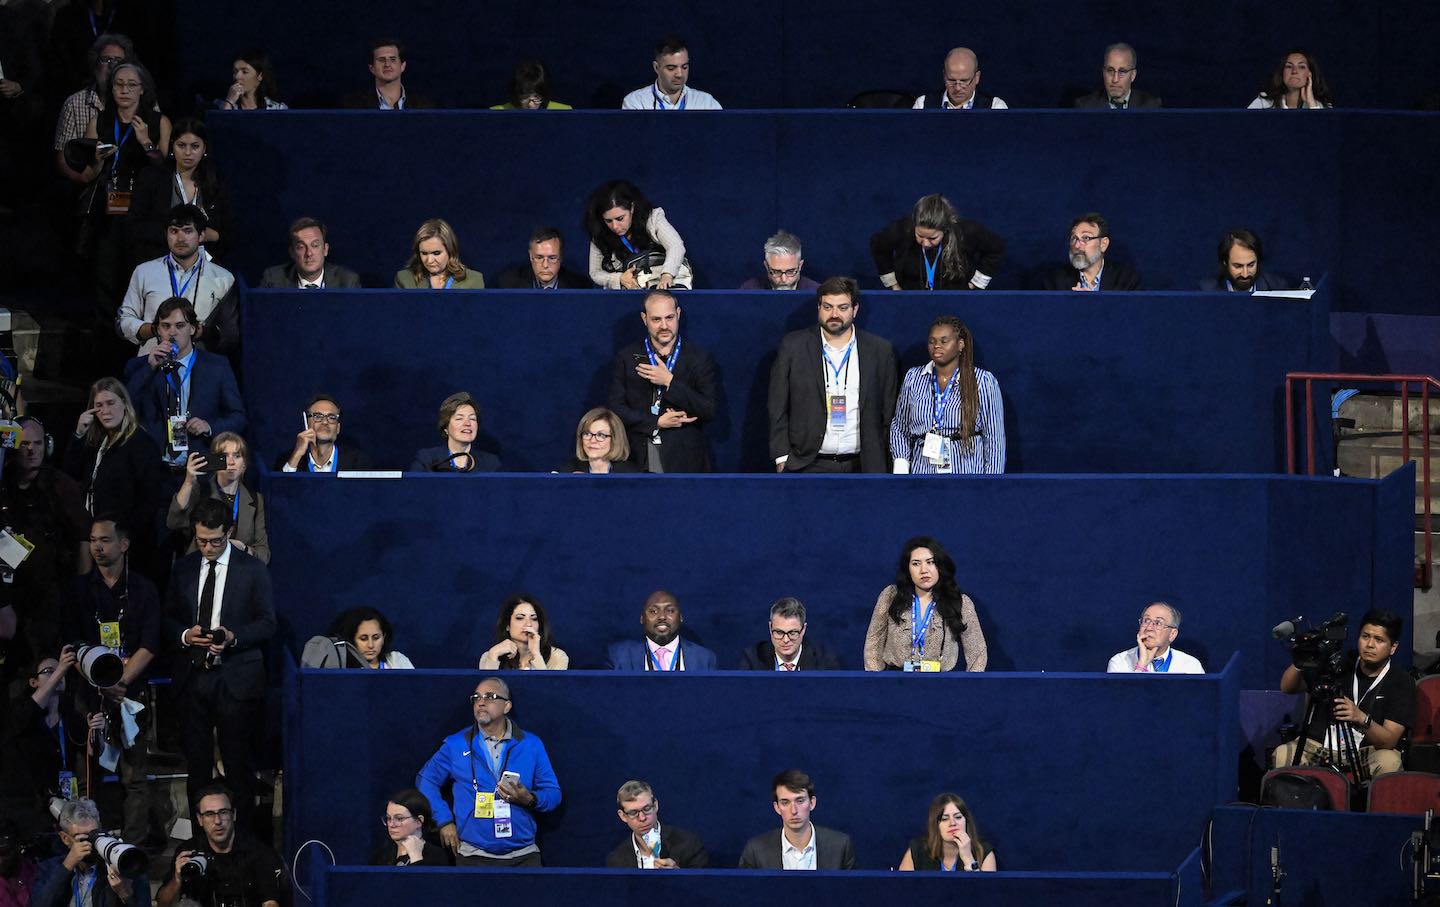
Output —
<point x="435" y="261"/>
<point x="600" y="444"/>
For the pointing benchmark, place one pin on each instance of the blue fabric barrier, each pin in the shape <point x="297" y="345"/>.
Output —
<point x="808" y="53"/>
<point x="1346" y="858"/>
<point x="354" y="887"/>
<point x="1059" y="567"/>
<point x="1169" y="182"/>
<point x="1145" y="382"/>
<point x="879" y="747"/>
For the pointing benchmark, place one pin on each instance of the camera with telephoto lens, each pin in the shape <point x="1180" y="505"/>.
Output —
<point x="194" y="870"/>
<point x="1319" y="655"/>
<point x="128" y="860"/>
<point x="100" y="665"/>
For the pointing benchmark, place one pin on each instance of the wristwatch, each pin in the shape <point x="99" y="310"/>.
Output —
<point x="1366" y="725"/>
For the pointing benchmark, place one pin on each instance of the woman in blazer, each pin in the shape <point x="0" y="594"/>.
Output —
<point x="247" y="508"/>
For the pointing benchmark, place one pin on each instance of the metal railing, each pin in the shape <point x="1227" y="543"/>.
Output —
<point x="1423" y="570"/>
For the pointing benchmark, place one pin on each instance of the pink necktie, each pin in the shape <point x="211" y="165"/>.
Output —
<point x="661" y="657"/>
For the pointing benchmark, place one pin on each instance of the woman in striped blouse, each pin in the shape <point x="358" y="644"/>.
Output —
<point x="949" y="418"/>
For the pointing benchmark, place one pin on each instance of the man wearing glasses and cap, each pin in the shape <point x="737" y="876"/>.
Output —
<point x="501" y="778"/>
<point x="1159" y="625"/>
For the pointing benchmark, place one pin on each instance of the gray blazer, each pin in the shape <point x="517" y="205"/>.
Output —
<point x="833" y="850"/>
<point x="283" y="277"/>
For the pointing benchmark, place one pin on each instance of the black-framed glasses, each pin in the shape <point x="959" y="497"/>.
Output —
<point x="488" y="697"/>
<point x="210" y="815"/>
<point x="595" y="435"/>
<point x="332" y="418"/>
<point x="646" y="810"/>
<point x="787" y="273"/>
<point x="785" y="635"/>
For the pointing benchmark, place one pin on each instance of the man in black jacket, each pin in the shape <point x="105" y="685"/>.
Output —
<point x="1088" y="270"/>
<point x="545" y="268"/>
<point x="663" y="389"/>
<point x="309" y="268"/>
<point x="787" y="649"/>
<point x="650" y="846"/>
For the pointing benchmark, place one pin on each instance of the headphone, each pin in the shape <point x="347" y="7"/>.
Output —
<point x="49" y="440"/>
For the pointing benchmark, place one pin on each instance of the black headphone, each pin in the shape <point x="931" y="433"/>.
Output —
<point x="49" y="441"/>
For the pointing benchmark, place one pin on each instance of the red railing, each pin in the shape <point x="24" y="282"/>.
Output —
<point x="1422" y="570"/>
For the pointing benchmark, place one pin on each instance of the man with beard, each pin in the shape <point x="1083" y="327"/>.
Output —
<point x="783" y="264"/>
<point x="661" y="649"/>
<point x="81" y="878"/>
<point x="663" y="397"/>
<point x="1239" y="256"/>
<point x="649" y="845"/>
<point x="670" y="90"/>
<point x="1088" y="270"/>
<point x="186" y="272"/>
<point x="845" y="427"/>
<point x="1159" y="625"/>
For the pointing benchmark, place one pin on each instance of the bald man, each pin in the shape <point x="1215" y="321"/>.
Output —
<point x="962" y="79"/>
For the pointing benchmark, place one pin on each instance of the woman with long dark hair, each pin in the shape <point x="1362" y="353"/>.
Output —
<point x="522" y="639"/>
<point x="370" y="632"/>
<point x="949" y="418"/>
<point x="187" y="178"/>
<point x="952" y="841"/>
<point x="934" y="248"/>
<point x="1296" y="84"/>
<point x="923" y="621"/>
<point x="622" y="226"/>
<point x="409" y="822"/>
<point x="252" y="85"/>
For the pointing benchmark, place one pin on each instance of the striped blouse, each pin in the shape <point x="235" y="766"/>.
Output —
<point x="914" y="416"/>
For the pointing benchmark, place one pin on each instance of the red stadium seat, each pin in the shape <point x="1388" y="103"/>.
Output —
<point x="1336" y="784"/>
<point x="1427" y="711"/>
<point x="1404" y="792"/>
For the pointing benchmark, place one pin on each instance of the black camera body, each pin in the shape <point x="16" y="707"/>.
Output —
<point x="1319" y="655"/>
<point x="196" y="869"/>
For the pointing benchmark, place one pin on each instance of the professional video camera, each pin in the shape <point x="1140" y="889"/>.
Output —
<point x="128" y="860"/>
<point x="1319" y="654"/>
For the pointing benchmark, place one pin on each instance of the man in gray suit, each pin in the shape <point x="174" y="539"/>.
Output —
<point x="798" y="843"/>
<point x="308" y="268"/>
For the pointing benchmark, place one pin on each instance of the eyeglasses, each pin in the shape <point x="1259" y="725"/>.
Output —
<point x="1148" y="622"/>
<point x="961" y="83"/>
<point x="786" y="635"/>
<point x="646" y="810"/>
<point x="788" y="273"/>
<point x="111" y="61"/>
<point x="393" y="821"/>
<point x="595" y="435"/>
<point x="127" y="86"/>
<point x="545" y="259"/>
<point x="43" y="672"/>
<point x="1084" y="239"/>
<point x="1112" y="72"/>
<point x="210" y="815"/>
<point x="210" y="543"/>
<point x="332" y="418"/>
<point x="488" y="697"/>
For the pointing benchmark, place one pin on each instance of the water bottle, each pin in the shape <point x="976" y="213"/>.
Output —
<point x="1306" y="285"/>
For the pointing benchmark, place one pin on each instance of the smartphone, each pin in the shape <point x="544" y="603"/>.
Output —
<point x="105" y="146"/>
<point x="639" y="359"/>
<point x="512" y="777"/>
<point x="214" y="462"/>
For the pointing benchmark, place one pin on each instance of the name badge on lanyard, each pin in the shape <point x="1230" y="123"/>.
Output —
<point x="937" y="445"/>
<point x="918" y="628"/>
<point x="669" y="364"/>
<point x="110" y="633"/>
<point x="839" y="407"/>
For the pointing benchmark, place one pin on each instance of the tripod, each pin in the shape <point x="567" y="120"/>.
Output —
<point x="1348" y="753"/>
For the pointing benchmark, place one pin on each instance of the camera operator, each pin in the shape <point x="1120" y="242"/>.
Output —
<point x="42" y="728"/>
<point x="1375" y="701"/>
<point x="81" y="878"/>
<point x="223" y="868"/>
<point x="115" y="607"/>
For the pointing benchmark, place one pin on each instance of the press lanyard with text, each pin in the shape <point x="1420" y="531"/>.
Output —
<point x="487" y="805"/>
<point x="931" y="266"/>
<point x="918" y="626"/>
<point x="937" y="445"/>
<point x="669" y="364"/>
<point x="838" y="404"/>
<point x="180" y="289"/>
<point x="115" y="160"/>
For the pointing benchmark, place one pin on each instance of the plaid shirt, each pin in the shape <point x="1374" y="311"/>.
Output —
<point x="80" y="108"/>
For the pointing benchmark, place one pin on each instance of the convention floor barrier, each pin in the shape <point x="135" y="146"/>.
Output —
<point x="1328" y="858"/>
<point x="1144" y="382"/>
<point x="809" y="53"/>
<point x="356" y="887"/>
<point x="1059" y="567"/>
<point x="878" y="746"/>
<point x="1352" y="197"/>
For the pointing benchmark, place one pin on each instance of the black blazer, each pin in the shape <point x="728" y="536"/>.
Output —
<point x="283" y="277"/>
<point x="798" y="410"/>
<point x="814" y="656"/>
<point x="675" y="844"/>
<point x="131" y="480"/>
<point x="1116" y="276"/>
<point x="430" y="855"/>
<point x="437" y="459"/>
<point x="1265" y="281"/>
<point x="833" y="850"/>
<point x="150" y="205"/>
<point x="351" y="457"/>
<point x="246" y="610"/>
<point x="693" y="391"/>
<point x="1099" y="100"/>
<point x="521" y="277"/>
<point x="583" y="466"/>
<point x="894" y="249"/>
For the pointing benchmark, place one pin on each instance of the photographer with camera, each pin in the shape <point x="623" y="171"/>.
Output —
<point x="84" y="876"/>
<point x="223" y="867"/>
<point x="42" y="730"/>
<point x="115" y="607"/>
<point x="1369" y="697"/>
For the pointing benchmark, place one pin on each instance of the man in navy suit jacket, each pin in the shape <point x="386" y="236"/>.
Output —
<point x="218" y="617"/>
<point x="177" y="380"/>
<point x="661" y="649"/>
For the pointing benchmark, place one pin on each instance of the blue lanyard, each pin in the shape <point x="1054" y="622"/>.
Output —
<point x="1163" y="666"/>
<point x="129" y="130"/>
<point x="449" y="282"/>
<point x="60" y="733"/>
<point x="918" y="626"/>
<point x="629" y="245"/>
<point x="955" y="867"/>
<point x="844" y="363"/>
<point x="334" y="460"/>
<point x="670" y="360"/>
<point x="660" y="102"/>
<point x="478" y="742"/>
<point x="180" y="289"/>
<point x="655" y="665"/>
<point x="931" y="266"/>
<point x="942" y="397"/>
<point x="186" y="366"/>
<point x="235" y="508"/>
<point x="89" y="891"/>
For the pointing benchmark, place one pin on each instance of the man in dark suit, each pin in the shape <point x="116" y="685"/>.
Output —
<point x="545" y="269"/>
<point x="663" y="389"/>
<point x="1118" y="73"/>
<point x="219" y="611"/>
<point x="661" y="649"/>
<point x="787" y="649"/>
<point x="317" y="448"/>
<point x="1240" y="256"/>
<point x="832" y="391"/>
<point x="1088" y="270"/>
<point x="309" y="268"/>
<point x="650" y="845"/>
<point x="798" y="843"/>
<point x="182" y="393"/>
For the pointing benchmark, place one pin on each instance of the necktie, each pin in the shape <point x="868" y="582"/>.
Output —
<point x="207" y="597"/>
<point x="789" y="665"/>
<point x="309" y="286"/>
<point x="661" y="658"/>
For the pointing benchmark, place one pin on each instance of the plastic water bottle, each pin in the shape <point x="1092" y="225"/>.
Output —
<point x="1305" y="284"/>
